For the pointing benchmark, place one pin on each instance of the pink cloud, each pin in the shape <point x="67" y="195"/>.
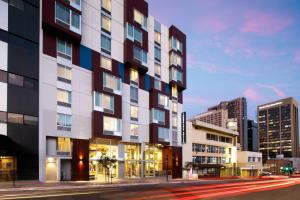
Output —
<point x="297" y="57"/>
<point x="213" y="23"/>
<point x="264" y="24"/>
<point x="252" y="94"/>
<point x="275" y="89"/>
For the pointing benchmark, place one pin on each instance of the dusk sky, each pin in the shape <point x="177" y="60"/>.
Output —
<point x="236" y="48"/>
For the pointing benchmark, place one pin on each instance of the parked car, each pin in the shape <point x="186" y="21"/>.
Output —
<point x="266" y="174"/>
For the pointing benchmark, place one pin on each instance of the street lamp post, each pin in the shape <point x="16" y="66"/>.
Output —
<point x="167" y="160"/>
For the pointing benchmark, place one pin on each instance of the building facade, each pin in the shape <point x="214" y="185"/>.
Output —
<point x="229" y="114"/>
<point x="209" y="150"/>
<point x="252" y="136"/>
<point x="278" y="128"/>
<point x="249" y="163"/>
<point x="109" y="83"/>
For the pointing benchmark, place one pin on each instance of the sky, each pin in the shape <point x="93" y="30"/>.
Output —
<point x="236" y="48"/>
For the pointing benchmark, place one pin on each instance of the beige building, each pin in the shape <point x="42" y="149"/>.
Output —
<point x="249" y="163"/>
<point x="215" y="117"/>
<point x="209" y="151"/>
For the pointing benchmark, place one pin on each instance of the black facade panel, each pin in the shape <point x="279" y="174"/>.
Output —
<point x="22" y="100"/>
<point x="3" y="36"/>
<point x="23" y="57"/>
<point x="23" y="20"/>
<point x="26" y="137"/>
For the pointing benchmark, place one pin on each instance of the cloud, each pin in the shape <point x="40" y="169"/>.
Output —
<point x="194" y="100"/>
<point x="274" y="89"/>
<point x="252" y="94"/>
<point x="213" y="23"/>
<point x="262" y="23"/>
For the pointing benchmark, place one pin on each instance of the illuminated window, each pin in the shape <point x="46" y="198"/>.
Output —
<point x="140" y="18"/>
<point x="111" y="82"/>
<point x="106" y="63"/>
<point x="103" y="102"/>
<point x="157" y="70"/>
<point x="63" y="144"/>
<point x="157" y="37"/>
<point x="64" y="73"/>
<point x="64" y="97"/>
<point x="134" y="76"/>
<point x="106" y="5"/>
<point x="157" y="116"/>
<point x="163" y="100"/>
<point x="134" y="113"/>
<point x="174" y="91"/>
<point x="106" y="23"/>
<point x="14" y="118"/>
<point x="111" y="124"/>
<point x="134" y="129"/>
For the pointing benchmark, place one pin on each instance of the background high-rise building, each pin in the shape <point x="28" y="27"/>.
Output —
<point x="80" y="80"/>
<point x="278" y="128"/>
<point x="252" y="136"/>
<point x="229" y="114"/>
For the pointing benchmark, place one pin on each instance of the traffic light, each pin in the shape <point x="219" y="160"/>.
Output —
<point x="286" y="169"/>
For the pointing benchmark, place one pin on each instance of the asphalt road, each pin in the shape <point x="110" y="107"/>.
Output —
<point x="288" y="189"/>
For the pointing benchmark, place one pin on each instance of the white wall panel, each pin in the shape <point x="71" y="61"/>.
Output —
<point x="3" y="129"/>
<point x="3" y="54"/>
<point x="3" y="15"/>
<point x="3" y="94"/>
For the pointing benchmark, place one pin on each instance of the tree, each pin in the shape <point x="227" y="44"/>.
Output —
<point x="108" y="164"/>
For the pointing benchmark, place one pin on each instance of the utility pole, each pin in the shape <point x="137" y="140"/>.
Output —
<point x="167" y="160"/>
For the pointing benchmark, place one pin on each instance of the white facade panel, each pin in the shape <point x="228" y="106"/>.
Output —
<point x="3" y="99"/>
<point x="3" y="15"/>
<point x="3" y="129"/>
<point x="3" y="54"/>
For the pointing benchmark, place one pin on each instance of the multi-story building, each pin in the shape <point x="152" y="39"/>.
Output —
<point x="209" y="150"/>
<point x="278" y="128"/>
<point x="88" y="79"/>
<point x="229" y="114"/>
<point x="249" y="163"/>
<point x="252" y="136"/>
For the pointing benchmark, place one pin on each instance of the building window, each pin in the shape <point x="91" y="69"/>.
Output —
<point x="106" y="5"/>
<point x="3" y="76"/>
<point x="140" y="18"/>
<point x="64" y="73"/>
<point x="14" y="79"/>
<point x="64" y="122"/>
<point x="212" y="137"/>
<point x="64" y="49"/>
<point x="138" y="35"/>
<point x="175" y="44"/>
<point x="106" y="63"/>
<point x="62" y="14"/>
<point x="157" y="84"/>
<point x="134" y="76"/>
<point x="103" y="102"/>
<point x="157" y="37"/>
<point x="163" y="100"/>
<point x="105" y="44"/>
<point x="111" y="82"/>
<point x="157" y="116"/>
<point x="163" y="134"/>
<point x="106" y="23"/>
<point x="30" y="120"/>
<point x="134" y="94"/>
<point x="174" y="121"/>
<point x="174" y="91"/>
<point x="64" y="98"/>
<point x="134" y="129"/>
<point x="111" y="124"/>
<point x="157" y="53"/>
<point x="174" y="107"/>
<point x="157" y="70"/>
<point x="176" y="75"/>
<point x="75" y="20"/>
<point x="3" y="117"/>
<point x="14" y="118"/>
<point x="63" y="144"/>
<point x="175" y="59"/>
<point x="134" y="113"/>
<point x="140" y="55"/>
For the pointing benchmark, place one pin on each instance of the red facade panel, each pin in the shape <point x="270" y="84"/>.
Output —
<point x="80" y="160"/>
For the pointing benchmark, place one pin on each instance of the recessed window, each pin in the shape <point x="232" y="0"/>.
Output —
<point x="105" y="44"/>
<point x="157" y="53"/>
<point x="134" y="129"/>
<point x="111" y="124"/>
<point x="111" y="82"/>
<point x="64" y="73"/>
<point x="157" y="70"/>
<point x="75" y="20"/>
<point x="134" y="76"/>
<point x="158" y="116"/>
<point x="176" y="75"/>
<point x="64" y="121"/>
<point x="176" y="44"/>
<point x="14" y="118"/>
<point x="140" y="55"/>
<point x="103" y="102"/>
<point x="174" y="121"/>
<point x="174" y="91"/>
<point x="138" y="35"/>
<point x="163" y="134"/>
<point x="62" y="14"/>
<point x="175" y="59"/>
<point x="3" y="117"/>
<point x="106" y="5"/>
<point x="3" y="76"/>
<point x="30" y="120"/>
<point x="63" y="144"/>
<point x="64" y="49"/>
<point x="140" y="18"/>
<point x="64" y="97"/>
<point x="157" y="84"/>
<point x="163" y="100"/>
<point x="134" y="113"/>
<point x="106" y="23"/>
<point x="15" y="79"/>
<point x="106" y="63"/>
<point x="134" y="94"/>
<point x="157" y="37"/>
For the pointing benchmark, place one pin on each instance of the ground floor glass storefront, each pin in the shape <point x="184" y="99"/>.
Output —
<point x="7" y="166"/>
<point x="153" y="161"/>
<point x="133" y="161"/>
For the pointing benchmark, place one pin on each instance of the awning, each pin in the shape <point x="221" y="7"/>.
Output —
<point x="7" y="146"/>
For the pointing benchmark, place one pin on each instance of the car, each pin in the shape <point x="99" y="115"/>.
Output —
<point x="266" y="174"/>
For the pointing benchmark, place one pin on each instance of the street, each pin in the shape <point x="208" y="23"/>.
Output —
<point x="223" y="190"/>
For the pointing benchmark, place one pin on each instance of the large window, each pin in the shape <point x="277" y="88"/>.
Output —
<point x="174" y="121"/>
<point x="157" y="70"/>
<point x="212" y="137"/>
<point x="111" y="82"/>
<point x="175" y="59"/>
<point x="64" y="73"/>
<point x="64" y="97"/>
<point x="134" y="76"/>
<point x="30" y="120"/>
<point x="103" y="102"/>
<point x="157" y="37"/>
<point x="134" y="94"/>
<point x="14" y="118"/>
<point x="134" y="113"/>
<point x="63" y="144"/>
<point x="157" y="53"/>
<point x="140" y="18"/>
<point x="15" y="79"/>
<point x="157" y="84"/>
<point x="67" y="18"/>
<point x="134" y="129"/>
<point x="64" y="121"/>
<point x="106" y="5"/>
<point x="140" y="55"/>
<point x="176" y="75"/>
<point x="106" y="23"/>
<point x="175" y="44"/>
<point x="112" y="125"/>
<point x="106" y="63"/>
<point x="157" y="116"/>
<point x="105" y="44"/>
<point x="163" y="134"/>
<point x="64" y="49"/>
<point x="163" y="100"/>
